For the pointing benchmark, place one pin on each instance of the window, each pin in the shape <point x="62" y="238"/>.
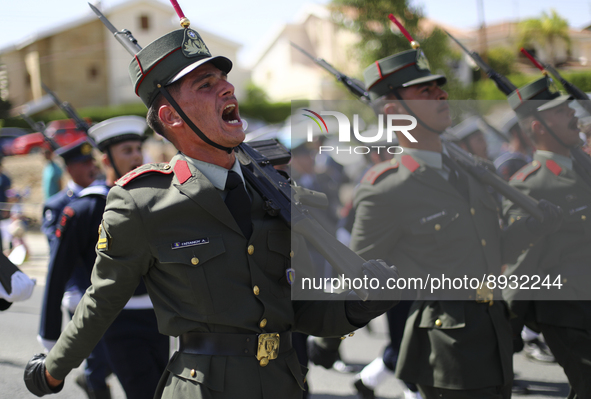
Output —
<point x="93" y="72"/>
<point x="144" y="22"/>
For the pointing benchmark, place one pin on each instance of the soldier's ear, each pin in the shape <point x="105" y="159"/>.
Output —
<point x="537" y="128"/>
<point x="392" y="107"/>
<point x="105" y="160"/>
<point x="168" y="116"/>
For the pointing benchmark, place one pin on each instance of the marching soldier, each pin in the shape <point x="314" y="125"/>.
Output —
<point x="425" y="214"/>
<point x="134" y="333"/>
<point x="563" y="256"/>
<point x="468" y="135"/>
<point x="215" y="263"/>
<point x="82" y="170"/>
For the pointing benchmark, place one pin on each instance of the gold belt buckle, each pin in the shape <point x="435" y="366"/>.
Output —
<point x="268" y="348"/>
<point x="484" y="294"/>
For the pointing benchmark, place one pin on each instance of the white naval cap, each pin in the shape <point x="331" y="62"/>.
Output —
<point x="118" y="129"/>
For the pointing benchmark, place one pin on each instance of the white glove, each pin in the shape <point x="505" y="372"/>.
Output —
<point x="46" y="343"/>
<point x="22" y="288"/>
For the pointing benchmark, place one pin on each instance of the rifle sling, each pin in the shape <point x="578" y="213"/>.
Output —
<point x="189" y="122"/>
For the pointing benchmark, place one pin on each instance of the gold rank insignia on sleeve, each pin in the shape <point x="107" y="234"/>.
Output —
<point x="104" y="241"/>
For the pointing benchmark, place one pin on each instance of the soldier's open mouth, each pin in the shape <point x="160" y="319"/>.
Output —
<point x="230" y="114"/>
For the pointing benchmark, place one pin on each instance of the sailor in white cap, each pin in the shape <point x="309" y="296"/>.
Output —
<point x="120" y="140"/>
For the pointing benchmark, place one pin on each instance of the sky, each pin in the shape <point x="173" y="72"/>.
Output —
<point x="249" y="22"/>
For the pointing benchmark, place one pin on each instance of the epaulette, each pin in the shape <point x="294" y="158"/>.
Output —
<point x="163" y="168"/>
<point x="527" y="170"/>
<point x="378" y="170"/>
<point x="553" y="166"/>
<point x="410" y="163"/>
<point x="95" y="190"/>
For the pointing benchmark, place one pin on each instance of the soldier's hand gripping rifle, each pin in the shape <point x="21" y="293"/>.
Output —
<point x="281" y="197"/>
<point x="580" y="157"/>
<point x="477" y="168"/>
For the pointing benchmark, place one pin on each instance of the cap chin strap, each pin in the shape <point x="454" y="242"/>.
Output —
<point x="537" y="116"/>
<point x="190" y="123"/>
<point x="108" y="151"/>
<point x="419" y="120"/>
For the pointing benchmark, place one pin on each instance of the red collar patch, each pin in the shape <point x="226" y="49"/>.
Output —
<point x="182" y="171"/>
<point x="553" y="166"/>
<point x="410" y="163"/>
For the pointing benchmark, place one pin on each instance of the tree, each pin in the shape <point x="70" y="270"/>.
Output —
<point x="380" y="38"/>
<point x="547" y="32"/>
<point x="502" y="60"/>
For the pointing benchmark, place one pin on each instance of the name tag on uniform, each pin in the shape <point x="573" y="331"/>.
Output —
<point x="434" y="216"/>
<point x="579" y="209"/>
<point x="192" y="243"/>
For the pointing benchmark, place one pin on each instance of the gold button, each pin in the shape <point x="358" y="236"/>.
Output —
<point x="193" y="373"/>
<point x="438" y="323"/>
<point x="263" y="323"/>
<point x="256" y="290"/>
<point x="194" y="261"/>
<point x="483" y="242"/>
<point x="518" y="217"/>
<point x="437" y="227"/>
<point x="531" y="245"/>
<point x="583" y="217"/>
<point x="564" y="280"/>
<point x="351" y="334"/>
<point x="264" y="361"/>
<point x="523" y="251"/>
<point x="251" y="249"/>
<point x="473" y="211"/>
<point x="343" y="338"/>
<point x="166" y="167"/>
<point x="291" y="254"/>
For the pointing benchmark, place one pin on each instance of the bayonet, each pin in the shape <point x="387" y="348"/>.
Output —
<point x="124" y="37"/>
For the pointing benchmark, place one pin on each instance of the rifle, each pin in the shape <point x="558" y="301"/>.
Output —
<point x="501" y="81"/>
<point x="281" y="197"/>
<point x="40" y="127"/>
<point x="479" y="169"/>
<point x="580" y="157"/>
<point x="353" y="85"/>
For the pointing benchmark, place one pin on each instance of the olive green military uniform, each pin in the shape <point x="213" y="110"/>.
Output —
<point x="167" y="224"/>
<point x="410" y="215"/>
<point x="564" y="256"/>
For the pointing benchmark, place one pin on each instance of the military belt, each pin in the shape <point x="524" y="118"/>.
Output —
<point x="224" y="344"/>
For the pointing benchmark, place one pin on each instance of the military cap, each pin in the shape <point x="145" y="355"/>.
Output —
<point x="169" y="58"/>
<point x="510" y="124"/>
<point x="537" y="96"/>
<point x="464" y="129"/>
<point x="399" y="70"/>
<point x="117" y="130"/>
<point x="78" y="151"/>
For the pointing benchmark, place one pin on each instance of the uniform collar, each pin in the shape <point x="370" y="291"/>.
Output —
<point x="431" y="159"/>
<point x="75" y="188"/>
<point x="564" y="162"/>
<point x="217" y="175"/>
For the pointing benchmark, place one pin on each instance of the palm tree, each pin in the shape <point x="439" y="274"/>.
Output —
<point x="547" y="31"/>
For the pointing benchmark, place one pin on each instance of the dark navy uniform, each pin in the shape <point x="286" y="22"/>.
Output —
<point x="134" y="334"/>
<point x="54" y="206"/>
